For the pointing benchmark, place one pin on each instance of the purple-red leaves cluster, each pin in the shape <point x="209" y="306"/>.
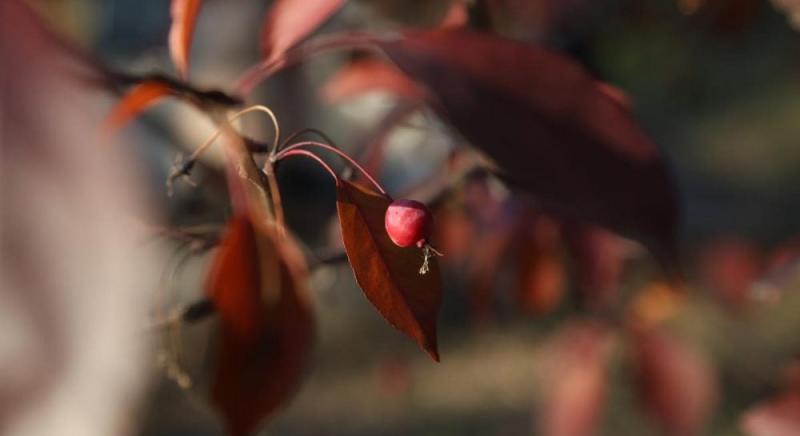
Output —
<point x="389" y="275"/>
<point x="257" y="285"/>
<point x="550" y="128"/>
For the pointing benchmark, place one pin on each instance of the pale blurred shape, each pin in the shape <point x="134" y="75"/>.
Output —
<point x="72" y="278"/>
<point x="792" y="10"/>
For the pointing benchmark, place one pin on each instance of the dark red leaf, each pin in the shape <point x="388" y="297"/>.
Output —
<point x="778" y="417"/>
<point x="368" y="74"/>
<point x="184" y="16"/>
<point x="575" y="382"/>
<point x="389" y="275"/>
<point x="549" y="126"/>
<point x="257" y="285"/>
<point x="136" y="101"/>
<point x="677" y="385"/>
<point x="290" y="21"/>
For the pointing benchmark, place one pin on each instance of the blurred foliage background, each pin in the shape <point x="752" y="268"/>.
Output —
<point x="716" y="83"/>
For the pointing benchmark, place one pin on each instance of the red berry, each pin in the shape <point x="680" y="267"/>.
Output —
<point x="408" y="223"/>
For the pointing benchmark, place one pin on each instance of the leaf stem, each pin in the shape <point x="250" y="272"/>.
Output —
<point x="275" y="196"/>
<point x="213" y="137"/>
<point x="296" y="134"/>
<point x="343" y="155"/>
<point x="312" y="156"/>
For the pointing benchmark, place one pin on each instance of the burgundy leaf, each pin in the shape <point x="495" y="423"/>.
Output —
<point x="389" y="275"/>
<point x="550" y="127"/>
<point x="290" y="21"/>
<point x="256" y="282"/>
<point x="184" y="16"/>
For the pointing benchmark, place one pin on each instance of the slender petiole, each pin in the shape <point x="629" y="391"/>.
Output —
<point x="296" y="134"/>
<point x="236" y="116"/>
<point x="312" y="156"/>
<point x="343" y="155"/>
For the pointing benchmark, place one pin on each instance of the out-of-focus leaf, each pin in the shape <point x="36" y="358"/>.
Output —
<point x="136" y="101"/>
<point x="575" y="382"/>
<point x="677" y="385"/>
<point x="290" y="21"/>
<point x="257" y="284"/>
<point x="541" y="274"/>
<point x="784" y="255"/>
<point x="782" y="268"/>
<point x="730" y="267"/>
<point x="74" y="274"/>
<point x="550" y="128"/>
<point x="655" y="304"/>
<point x="777" y="417"/>
<point x="488" y="250"/>
<point x="388" y="274"/>
<point x="598" y="258"/>
<point x="453" y="233"/>
<point x="184" y="16"/>
<point x="456" y="15"/>
<point x="394" y="376"/>
<point x="364" y="75"/>
<point x="493" y="225"/>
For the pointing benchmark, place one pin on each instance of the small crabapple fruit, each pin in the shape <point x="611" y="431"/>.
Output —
<point x="408" y="223"/>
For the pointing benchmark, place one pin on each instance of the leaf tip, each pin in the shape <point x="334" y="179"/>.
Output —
<point x="433" y="351"/>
